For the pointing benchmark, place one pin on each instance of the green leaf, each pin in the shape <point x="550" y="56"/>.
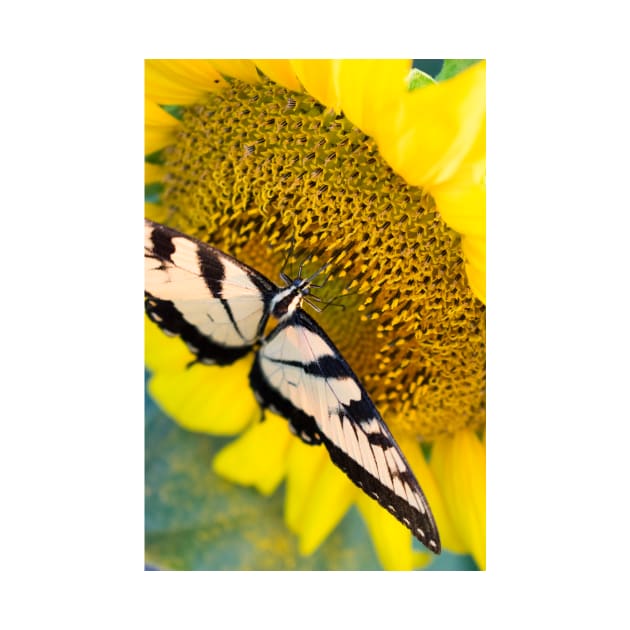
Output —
<point x="452" y="67"/>
<point x="176" y="111"/>
<point x="417" y="79"/>
<point x="157" y="157"/>
<point x="431" y="67"/>
<point x="447" y="561"/>
<point x="153" y="192"/>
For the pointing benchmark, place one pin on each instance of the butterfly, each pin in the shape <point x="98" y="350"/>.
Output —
<point x="221" y="307"/>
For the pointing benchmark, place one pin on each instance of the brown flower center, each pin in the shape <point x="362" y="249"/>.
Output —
<point x="257" y="170"/>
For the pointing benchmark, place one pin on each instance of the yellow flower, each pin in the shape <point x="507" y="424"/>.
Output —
<point x="389" y="184"/>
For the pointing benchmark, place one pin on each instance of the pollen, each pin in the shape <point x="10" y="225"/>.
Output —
<point x="275" y="179"/>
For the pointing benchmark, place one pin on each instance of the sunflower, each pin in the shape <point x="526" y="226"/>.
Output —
<point x="380" y="170"/>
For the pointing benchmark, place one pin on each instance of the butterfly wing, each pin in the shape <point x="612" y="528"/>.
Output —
<point x="216" y="304"/>
<point x="299" y="374"/>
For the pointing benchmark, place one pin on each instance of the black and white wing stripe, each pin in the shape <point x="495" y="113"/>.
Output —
<point x="215" y="303"/>
<point x="220" y="308"/>
<point x="299" y="374"/>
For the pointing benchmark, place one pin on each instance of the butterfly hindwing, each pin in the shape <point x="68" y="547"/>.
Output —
<point x="299" y="374"/>
<point x="217" y="305"/>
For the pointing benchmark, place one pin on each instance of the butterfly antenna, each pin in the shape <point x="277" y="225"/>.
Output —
<point x="320" y="270"/>
<point x="290" y="251"/>
<point x="334" y="301"/>
<point x="309" y="300"/>
<point x="304" y="262"/>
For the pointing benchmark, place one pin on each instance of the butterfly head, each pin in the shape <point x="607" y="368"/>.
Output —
<point x="290" y="298"/>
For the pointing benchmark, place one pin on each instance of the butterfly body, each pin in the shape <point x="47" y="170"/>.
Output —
<point x="285" y="302"/>
<point x="221" y="309"/>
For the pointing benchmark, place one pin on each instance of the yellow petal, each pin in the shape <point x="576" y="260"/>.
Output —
<point x="423" y="473"/>
<point x="161" y="352"/>
<point x="159" y="127"/>
<point x="432" y="129"/>
<point x="461" y="200"/>
<point x="304" y="465"/>
<point x="332" y="496"/>
<point x="159" y="213"/>
<point x="190" y="399"/>
<point x="155" y="116"/>
<point x="258" y="457"/>
<point x="199" y="74"/>
<point x="459" y="465"/>
<point x="281" y="72"/>
<point x="320" y="80"/>
<point x="475" y="256"/>
<point x="204" y="398"/>
<point x="169" y="82"/>
<point x="243" y="69"/>
<point x="462" y="204"/>
<point x="157" y="138"/>
<point x="153" y="173"/>
<point x="463" y="208"/>
<point x="392" y="540"/>
<point x="327" y="495"/>
<point x="369" y="87"/>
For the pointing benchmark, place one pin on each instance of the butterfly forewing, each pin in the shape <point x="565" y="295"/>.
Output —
<point x="299" y="373"/>
<point x="216" y="304"/>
